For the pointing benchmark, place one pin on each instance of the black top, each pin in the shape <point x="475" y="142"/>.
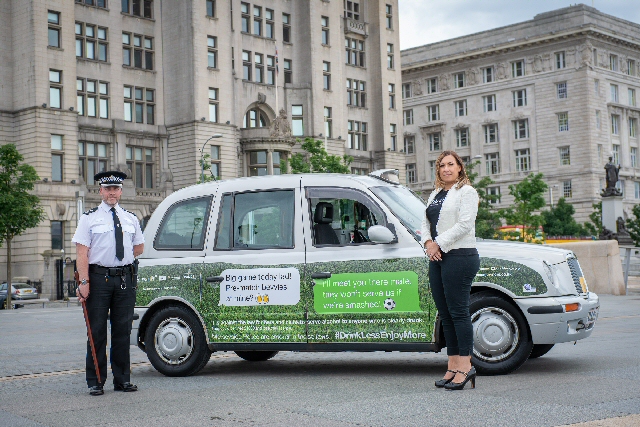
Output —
<point x="433" y="212"/>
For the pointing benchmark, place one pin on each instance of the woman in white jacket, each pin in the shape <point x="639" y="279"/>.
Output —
<point x="448" y="235"/>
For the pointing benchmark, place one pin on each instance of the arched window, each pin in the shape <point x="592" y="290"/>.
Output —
<point x="255" y="118"/>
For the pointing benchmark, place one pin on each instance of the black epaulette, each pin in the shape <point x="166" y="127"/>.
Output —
<point x="128" y="211"/>
<point x="90" y="211"/>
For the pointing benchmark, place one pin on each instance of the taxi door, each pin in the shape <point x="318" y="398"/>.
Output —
<point x="252" y="271"/>
<point x="363" y="293"/>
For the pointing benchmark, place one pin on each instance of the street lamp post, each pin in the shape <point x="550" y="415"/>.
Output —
<point x="215" y="135"/>
<point x="551" y="187"/>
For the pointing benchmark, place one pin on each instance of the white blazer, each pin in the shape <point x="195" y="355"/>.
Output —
<point x="457" y="221"/>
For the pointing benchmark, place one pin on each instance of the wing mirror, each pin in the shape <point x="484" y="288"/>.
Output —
<point x="381" y="234"/>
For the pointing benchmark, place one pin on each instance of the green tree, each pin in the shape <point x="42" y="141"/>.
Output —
<point x="20" y="210"/>
<point x="488" y="219"/>
<point x="317" y="160"/>
<point x="528" y="197"/>
<point x="633" y="225"/>
<point x="205" y="164"/>
<point x="559" y="220"/>
<point x="595" y="226"/>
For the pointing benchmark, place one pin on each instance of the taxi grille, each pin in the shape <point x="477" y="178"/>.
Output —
<point x="576" y="274"/>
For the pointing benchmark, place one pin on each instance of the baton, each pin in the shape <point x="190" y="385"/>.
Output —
<point x="89" y="334"/>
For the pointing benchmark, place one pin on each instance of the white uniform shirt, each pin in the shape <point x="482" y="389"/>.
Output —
<point x="96" y="231"/>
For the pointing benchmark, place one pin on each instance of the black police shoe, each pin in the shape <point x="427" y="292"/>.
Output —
<point x="96" y="390"/>
<point x="126" y="387"/>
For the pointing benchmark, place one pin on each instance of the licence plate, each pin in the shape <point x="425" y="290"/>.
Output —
<point x="27" y="291"/>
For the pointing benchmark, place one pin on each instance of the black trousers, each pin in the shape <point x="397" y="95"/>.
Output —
<point x="450" y="281"/>
<point x="106" y="295"/>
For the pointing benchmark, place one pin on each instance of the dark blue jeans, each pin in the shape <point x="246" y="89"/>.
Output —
<point x="450" y="281"/>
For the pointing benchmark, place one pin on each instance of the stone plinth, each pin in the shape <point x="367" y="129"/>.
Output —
<point x="611" y="210"/>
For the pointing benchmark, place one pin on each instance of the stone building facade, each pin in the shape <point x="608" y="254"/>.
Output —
<point x="556" y="95"/>
<point x="151" y="86"/>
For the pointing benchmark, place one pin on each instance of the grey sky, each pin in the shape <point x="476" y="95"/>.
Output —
<point x="429" y="21"/>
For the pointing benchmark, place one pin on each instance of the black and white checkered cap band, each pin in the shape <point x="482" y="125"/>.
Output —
<point x="111" y="180"/>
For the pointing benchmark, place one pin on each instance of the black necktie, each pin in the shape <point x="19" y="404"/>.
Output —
<point x="118" y="229"/>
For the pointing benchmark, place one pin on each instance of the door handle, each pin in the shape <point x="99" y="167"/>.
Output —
<point x="214" y="279"/>
<point x="323" y="275"/>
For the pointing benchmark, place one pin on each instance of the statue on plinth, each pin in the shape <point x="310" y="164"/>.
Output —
<point x="612" y="173"/>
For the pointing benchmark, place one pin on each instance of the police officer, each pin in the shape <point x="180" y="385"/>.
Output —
<point x="108" y="239"/>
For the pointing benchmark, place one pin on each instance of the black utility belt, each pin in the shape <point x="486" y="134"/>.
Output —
<point x="111" y="271"/>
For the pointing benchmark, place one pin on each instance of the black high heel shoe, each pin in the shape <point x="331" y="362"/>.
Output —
<point x="441" y="383"/>
<point x="469" y="376"/>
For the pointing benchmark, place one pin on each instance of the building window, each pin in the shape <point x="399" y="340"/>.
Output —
<point x="408" y="117"/>
<point x="566" y="189"/>
<point x="620" y="185"/>
<point x="326" y="75"/>
<point x="255" y="118"/>
<point x="92" y="98"/>
<point x="490" y="133"/>
<point x="328" y="122"/>
<point x="140" y="54"/>
<point x="354" y="50"/>
<point x="560" y="60"/>
<point x="432" y="85"/>
<point x="459" y="80"/>
<point x="141" y="8"/>
<point x="140" y="163"/>
<point x="53" y="19"/>
<point x="521" y="128"/>
<point x="390" y="63"/>
<point x="598" y="122"/>
<point x="462" y="137"/>
<point x="434" y="141"/>
<point x="519" y="98"/>
<point x="286" y="28"/>
<point x="495" y="193"/>
<point x="356" y="93"/>
<point x="565" y="156"/>
<point x="57" y="152"/>
<point x="406" y="91"/>
<point x="492" y="163"/>
<point x="269" y="24"/>
<point x="460" y="108"/>
<point x="636" y="186"/>
<point x="288" y="73"/>
<point x="55" y="89"/>
<point x="91" y="42"/>
<point x="297" y="121"/>
<point x="215" y="161"/>
<point x="634" y="157"/>
<point x="409" y="144"/>
<point x="213" y="104"/>
<point x="392" y="96"/>
<point x="432" y="170"/>
<point x="244" y="17"/>
<point x="596" y="87"/>
<point x="257" y="21"/>
<point x="615" y="153"/>
<point x="257" y="163"/>
<point x="357" y="135"/>
<point x="211" y="8"/>
<point x="259" y="77"/>
<point x="614" y="93"/>
<point x="393" y="131"/>
<point x="523" y="160"/>
<point x="633" y="127"/>
<point x="324" y="21"/>
<point x="433" y="112"/>
<point x="389" y="16"/>
<point x="92" y="158"/>
<point x="631" y="67"/>
<point x="212" y="52"/>
<point x="561" y="90"/>
<point x="613" y="62"/>
<point x="246" y="65"/>
<point x="57" y="235"/>
<point x="489" y="103"/>
<point x="359" y="171"/>
<point x="615" y="124"/>
<point x="411" y="173"/>
<point x="137" y="101"/>
<point x="271" y="70"/>
<point x="563" y="122"/>
<point x="487" y="75"/>
<point x="632" y="97"/>
<point x="352" y="9"/>
<point x="517" y="69"/>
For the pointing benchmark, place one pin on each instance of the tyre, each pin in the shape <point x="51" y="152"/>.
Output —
<point x="256" y="356"/>
<point x="501" y="341"/>
<point x="540" y="350"/>
<point x="175" y="342"/>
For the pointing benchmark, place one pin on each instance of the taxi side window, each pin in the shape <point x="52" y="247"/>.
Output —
<point x="256" y="220"/>
<point x="341" y="217"/>
<point x="183" y="226"/>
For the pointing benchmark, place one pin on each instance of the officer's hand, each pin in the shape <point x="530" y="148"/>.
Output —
<point x="83" y="292"/>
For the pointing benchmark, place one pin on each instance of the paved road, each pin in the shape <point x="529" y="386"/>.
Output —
<point x="42" y="383"/>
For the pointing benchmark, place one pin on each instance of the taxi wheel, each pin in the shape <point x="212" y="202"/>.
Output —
<point x="501" y="341"/>
<point x="175" y="342"/>
<point x="256" y="356"/>
<point x="540" y="350"/>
